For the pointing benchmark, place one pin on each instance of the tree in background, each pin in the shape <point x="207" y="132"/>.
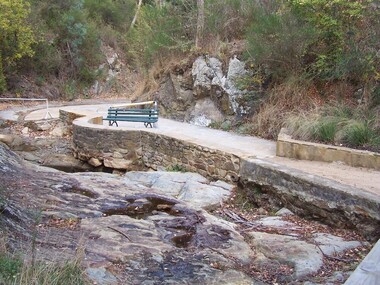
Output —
<point x="16" y="37"/>
<point x="200" y="23"/>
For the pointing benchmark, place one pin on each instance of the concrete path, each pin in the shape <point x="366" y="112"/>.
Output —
<point x="243" y="146"/>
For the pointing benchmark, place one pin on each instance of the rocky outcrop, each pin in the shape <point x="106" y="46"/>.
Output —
<point x="149" y="228"/>
<point x="207" y="94"/>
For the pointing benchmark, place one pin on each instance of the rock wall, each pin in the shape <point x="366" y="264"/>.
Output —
<point x="205" y="91"/>
<point x="130" y="149"/>
<point x="159" y="150"/>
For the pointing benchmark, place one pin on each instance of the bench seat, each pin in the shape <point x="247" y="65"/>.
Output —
<point x="146" y="116"/>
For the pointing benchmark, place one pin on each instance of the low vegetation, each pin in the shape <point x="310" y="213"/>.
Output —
<point x="15" y="271"/>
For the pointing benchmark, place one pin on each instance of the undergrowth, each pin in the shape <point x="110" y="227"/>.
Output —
<point x="338" y="124"/>
<point x="18" y="270"/>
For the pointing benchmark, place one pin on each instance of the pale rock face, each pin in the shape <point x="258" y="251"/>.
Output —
<point x="207" y="73"/>
<point x="236" y="70"/>
<point x="205" y="112"/>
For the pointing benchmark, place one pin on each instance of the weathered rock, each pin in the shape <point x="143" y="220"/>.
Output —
<point x="331" y="245"/>
<point x="101" y="276"/>
<point x="117" y="163"/>
<point x="205" y="112"/>
<point x="65" y="163"/>
<point x="95" y="162"/>
<point x="306" y="258"/>
<point x="284" y="212"/>
<point x="7" y="139"/>
<point x="236" y="71"/>
<point x="276" y="222"/>
<point x="25" y="131"/>
<point x="38" y="125"/>
<point x="206" y="71"/>
<point x="59" y="130"/>
<point x="135" y="229"/>
<point x="189" y="187"/>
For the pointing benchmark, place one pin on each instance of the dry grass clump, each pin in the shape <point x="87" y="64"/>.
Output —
<point x="339" y="124"/>
<point x="24" y="270"/>
<point x="288" y="98"/>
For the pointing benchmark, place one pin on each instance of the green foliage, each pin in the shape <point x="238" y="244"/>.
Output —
<point x="176" y="168"/>
<point x="226" y="19"/>
<point x="278" y="40"/>
<point x="12" y="271"/>
<point x="358" y="134"/>
<point x="325" y="129"/>
<point x="3" y="83"/>
<point x="115" y="13"/>
<point x="327" y="39"/>
<point x="10" y="268"/>
<point x="53" y="274"/>
<point x="158" y="33"/>
<point x="336" y="22"/>
<point x="16" y="37"/>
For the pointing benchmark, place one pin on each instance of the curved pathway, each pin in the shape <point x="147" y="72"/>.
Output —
<point x="243" y="146"/>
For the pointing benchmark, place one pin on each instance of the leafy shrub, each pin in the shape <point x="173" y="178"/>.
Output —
<point x="158" y="33"/>
<point x="227" y="18"/>
<point x="116" y="13"/>
<point x="16" y="36"/>
<point x="277" y="39"/>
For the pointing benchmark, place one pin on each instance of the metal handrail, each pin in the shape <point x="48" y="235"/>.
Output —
<point x="136" y="104"/>
<point x="47" y="115"/>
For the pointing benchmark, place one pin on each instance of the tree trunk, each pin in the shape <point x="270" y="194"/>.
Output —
<point x="137" y="12"/>
<point x="200" y="23"/>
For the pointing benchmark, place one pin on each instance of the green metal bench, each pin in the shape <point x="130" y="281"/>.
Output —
<point x="146" y="116"/>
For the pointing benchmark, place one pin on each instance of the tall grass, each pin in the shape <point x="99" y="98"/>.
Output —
<point x="18" y="269"/>
<point x="338" y="124"/>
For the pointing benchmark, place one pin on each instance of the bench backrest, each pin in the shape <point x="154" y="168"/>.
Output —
<point x="132" y="112"/>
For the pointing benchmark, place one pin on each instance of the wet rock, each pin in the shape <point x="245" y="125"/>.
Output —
<point x="135" y="229"/>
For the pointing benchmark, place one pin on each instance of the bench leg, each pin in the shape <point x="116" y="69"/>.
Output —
<point x="148" y="124"/>
<point x="113" y="122"/>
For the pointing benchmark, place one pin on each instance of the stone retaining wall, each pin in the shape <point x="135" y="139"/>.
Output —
<point x="288" y="147"/>
<point x="306" y="194"/>
<point x="130" y="149"/>
<point x="159" y="150"/>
